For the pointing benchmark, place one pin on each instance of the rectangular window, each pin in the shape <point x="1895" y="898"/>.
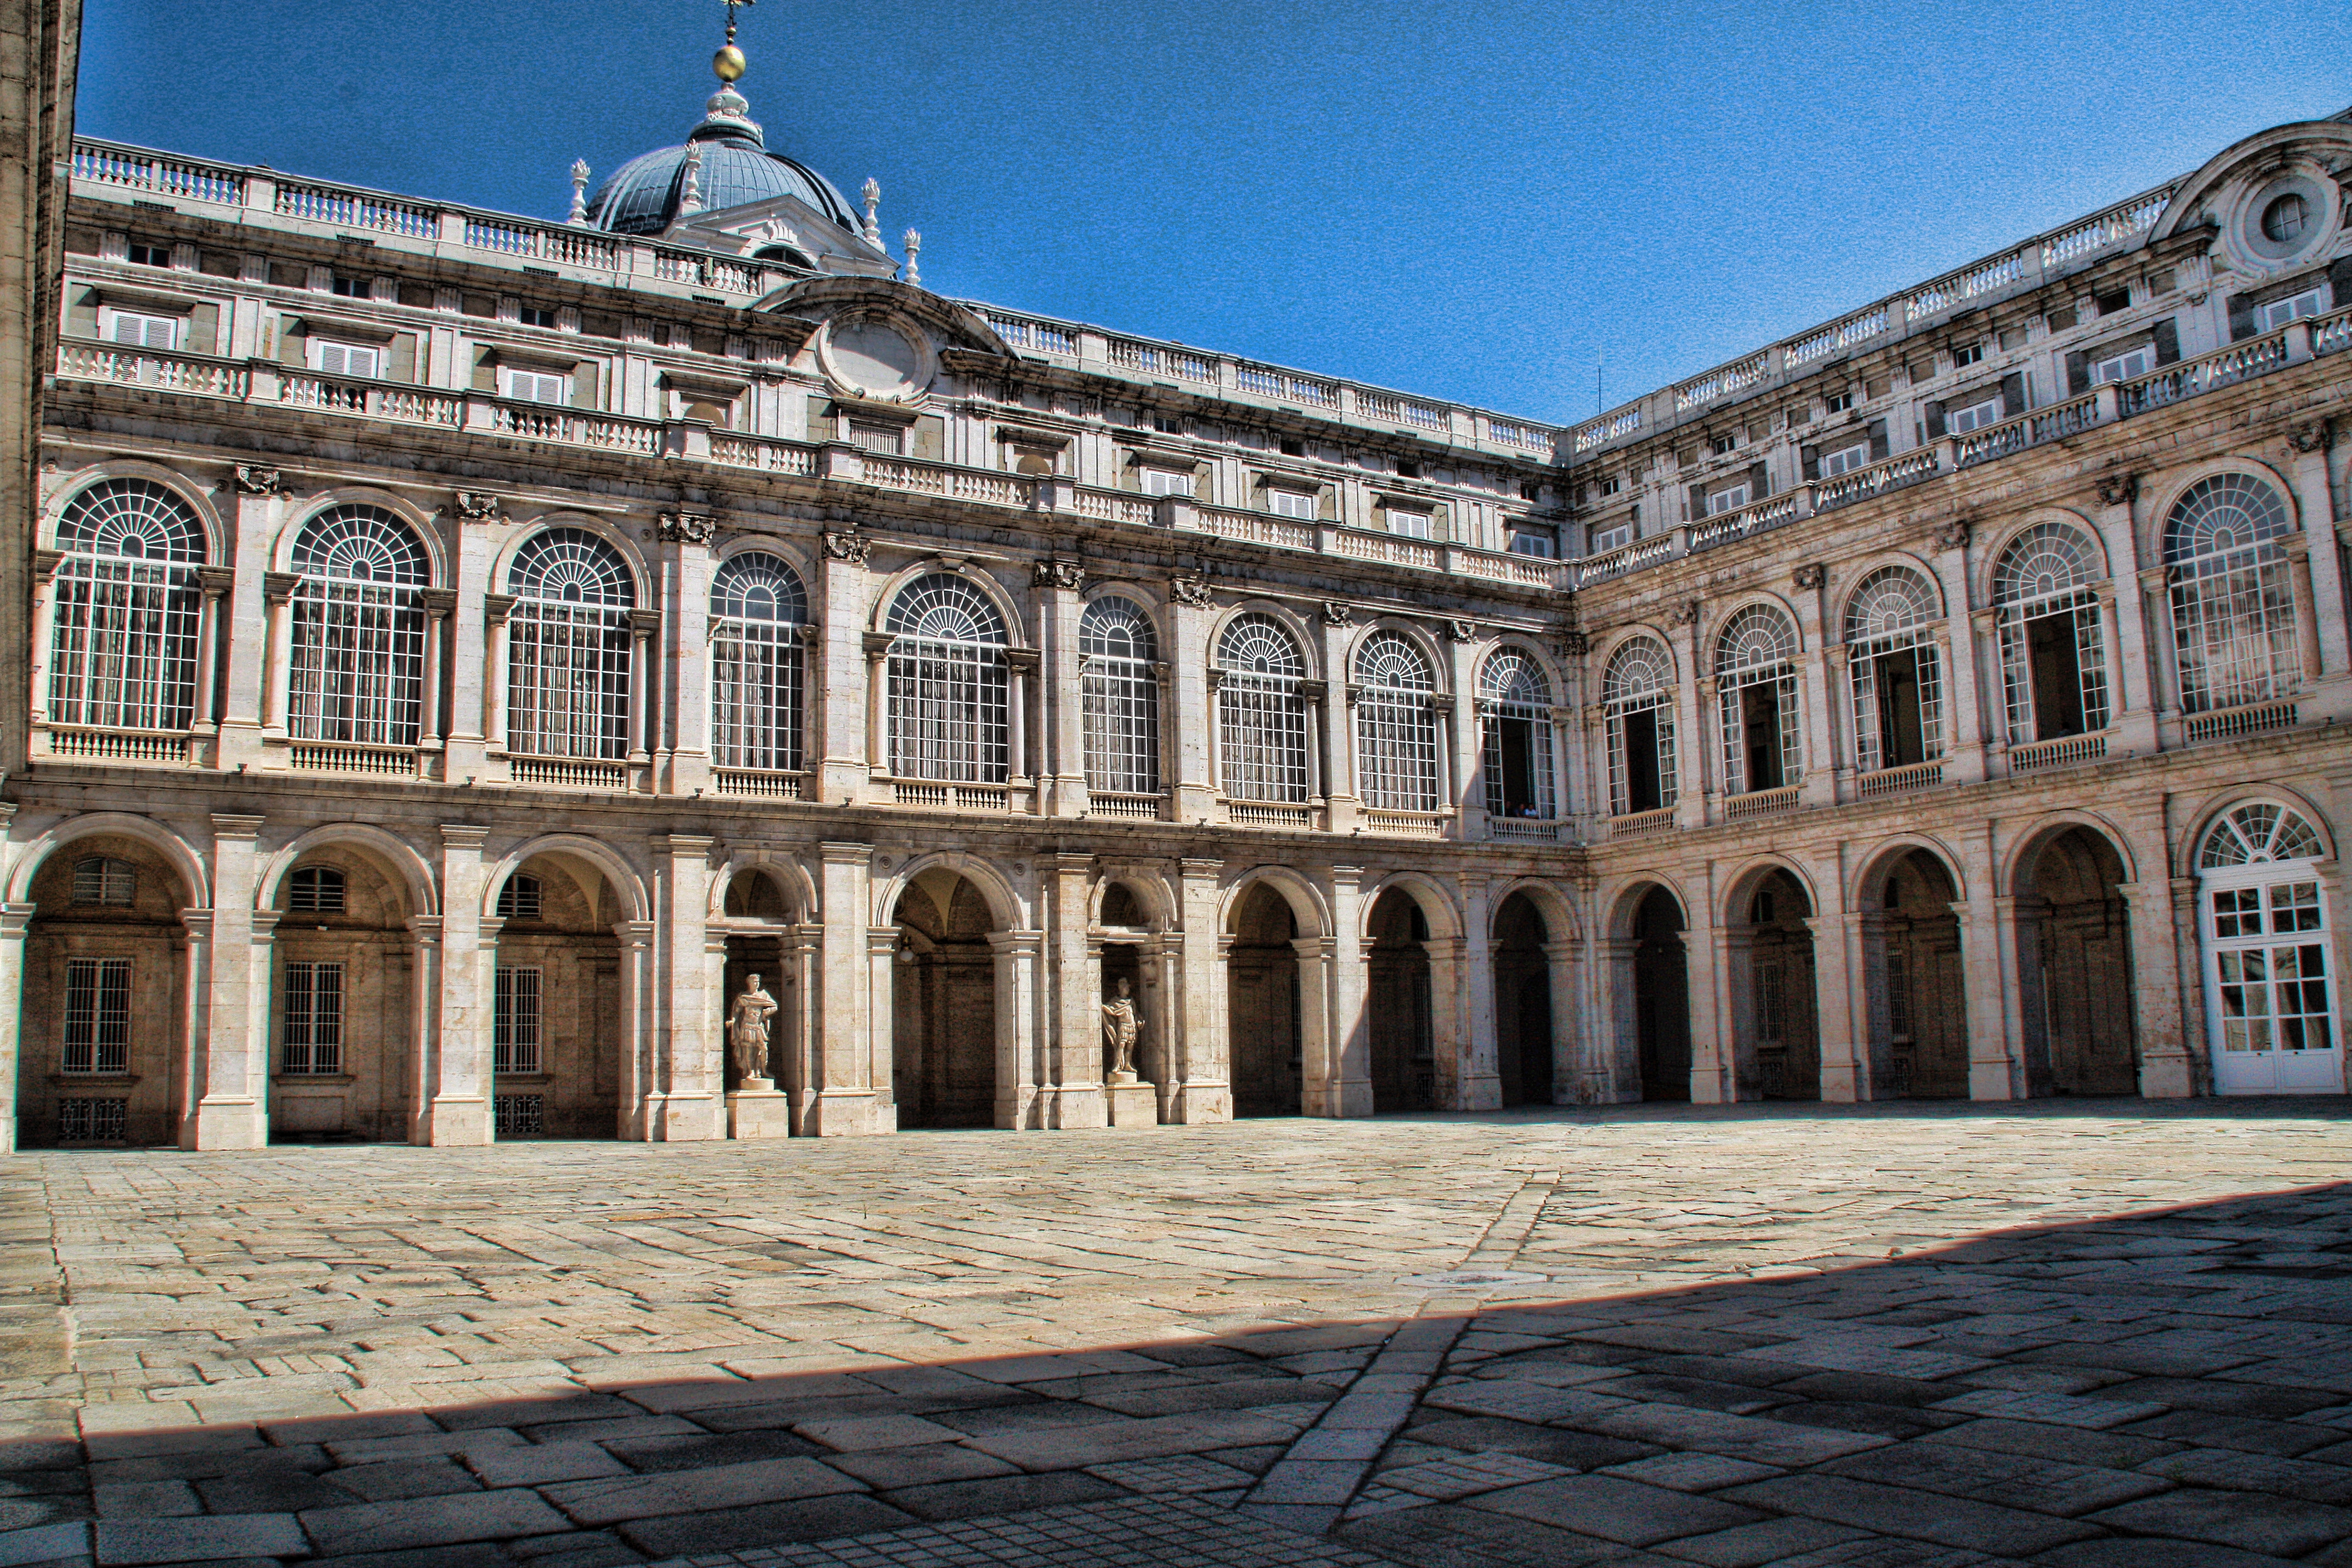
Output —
<point x="1644" y="780"/>
<point x="97" y="1016"/>
<point x="1411" y="524"/>
<point x="1168" y="481"/>
<point x="538" y="386"/>
<point x="1291" y="503"/>
<point x="2279" y="312"/>
<point x="515" y="1019"/>
<point x="141" y="330"/>
<point x="532" y="316"/>
<point x="1730" y="499"/>
<point x="1966" y="354"/>
<point x="1612" y="538"/>
<point x="311" y="1036"/>
<point x="1535" y="542"/>
<point x="1840" y="403"/>
<point x="352" y="288"/>
<point x="139" y="254"/>
<point x="1975" y="416"/>
<point x="1722" y="445"/>
<point x="1845" y="459"/>
<point x="2123" y="366"/>
<point x="883" y="440"/>
<point x="91" y="1121"/>
<point x="345" y="359"/>
<point x="1610" y="486"/>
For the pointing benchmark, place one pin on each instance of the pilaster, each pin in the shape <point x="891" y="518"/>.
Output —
<point x="233" y="1111"/>
<point x="1199" y="1053"/>
<point x="454" y="1107"/>
<point x="1074" y="1066"/>
<point x="683" y="1011"/>
<point x="855" y="1010"/>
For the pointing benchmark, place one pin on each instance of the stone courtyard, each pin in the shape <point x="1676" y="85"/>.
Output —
<point x="2075" y="1333"/>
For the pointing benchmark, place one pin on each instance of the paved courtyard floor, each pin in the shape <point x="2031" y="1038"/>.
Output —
<point x="2073" y="1334"/>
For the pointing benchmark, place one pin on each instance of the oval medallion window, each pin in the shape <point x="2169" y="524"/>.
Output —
<point x="875" y="359"/>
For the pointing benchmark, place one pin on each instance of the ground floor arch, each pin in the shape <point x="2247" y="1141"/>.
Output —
<point x="1648" y="985"/>
<point x="944" y="1055"/>
<point x="1912" y="979"/>
<point x="1775" y="1014"/>
<point x="1399" y="1007"/>
<point x="1524" y="1041"/>
<point x="562" y="1008"/>
<point x="2076" y="1003"/>
<point x="1264" y="1004"/>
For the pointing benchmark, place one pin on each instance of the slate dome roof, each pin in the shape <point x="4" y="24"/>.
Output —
<point x="642" y="195"/>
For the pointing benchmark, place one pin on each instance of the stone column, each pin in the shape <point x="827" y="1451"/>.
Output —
<point x="1021" y="679"/>
<point x="1702" y="761"/>
<point x="195" y="1026"/>
<point x="1994" y="1071"/>
<point x="2321" y="560"/>
<point x="1846" y="1065"/>
<point x="683" y="1013"/>
<point x="684" y="745"/>
<point x="247" y="643"/>
<point x="1818" y="695"/>
<point x="1481" y="1085"/>
<point x="2167" y="1068"/>
<point x="13" y="920"/>
<point x="2014" y="920"/>
<point x="452" y="1106"/>
<point x="843" y="679"/>
<point x="472" y="671"/>
<point x="1465" y="712"/>
<point x="440" y="603"/>
<point x="496" y="699"/>
<point x="1571" y="1053"/>
<point x="2159" y="673"/>
<point x="1197" y="1052"/>
<point x="1348" y="1090"/>
<point x="215" y="583"/>
<point x="279" y="672"/>
<point x="643" y="625"/>
<point x="1615" y="1071"/>
<point x="877" y="710"/>
<point x="643" y="1117"/>
<point x="844" y="1054"/>
<point x="423" y="1015"/>
<point x="1016" y="954"/>
<point x="1319" y="1039"/>
<point x="1707" y="972"/>
<point x="1075" y="1070"/>
<point x="880" y="1061"/>
<point x="803" y="947"/>
<point x="233" y="1112"/>
<point x="1064" y="759"/>
<point x="1161" y="973"/>
<point x="45" y="632"/>
<point x="2308" y="635"/>
<point x="1964" y="696"/>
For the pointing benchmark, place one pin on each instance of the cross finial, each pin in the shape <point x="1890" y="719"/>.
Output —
<point x="730" y="16"/>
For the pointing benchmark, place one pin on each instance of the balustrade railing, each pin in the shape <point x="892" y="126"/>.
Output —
<point x="1405" y="824"/>
<point x="2125" y="221"/>
<point x="150" y="171"/>
<point x="767" y="456"/>
<point x="1623" y="559"/>
<point x="952" y="797"/>
<point x="378" y="400"/>
<point x="1522" y="830"/>
<point x="2332" y="334"/>
<point x="2227" y="723"/>
<point x="1114" y="506"/>
<point x="1909" y="468"/>
<point x="538" y="242"/>
<point x="151" y="367"/>
<point x="334" y="757"/>
<point x="542" y="421"/>
<point x="570" y="772"/>
<point x="118" y="745"/>
<point x="1899" y="780"/>
<point x="1151" y="359"/>
<point x="1787" y="507"/>
<point x="1395" y="549"/>
<point x="2207" y="373"/>
<point x="762" y="784"/>
<point x="1269" y="814"/>
<point x="2054" y="424"/>
<point x="1761" y="803"/>
<point x="357" y="209"/>
<point x="1642" y="824"/>
<point x="1102" y="803"/>
<point x="2064" y="752"/>
<point x="1256" y="528"/>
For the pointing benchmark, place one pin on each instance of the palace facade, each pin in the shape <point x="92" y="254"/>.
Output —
<point x="466" y="650"/>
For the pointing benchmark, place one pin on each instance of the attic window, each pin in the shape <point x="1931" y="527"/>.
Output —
<point x="1292" y="447"/>
<point x="791" y="255"/>
<point x="1721" y="445"/>
<point x="1408" y="470"/>
<point x="532" y="316"/>
<point x="2113" y="300"/>
<point x="317" y="889"/>
<point x="148" y="255"/>
<point x="2286" y="218"/>
<point x="519" y="899"/>
<point x="351" y="287"/>
<point x="1840" y="403"/>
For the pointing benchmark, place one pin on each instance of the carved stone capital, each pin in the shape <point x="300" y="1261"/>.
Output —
<point x="255" y="481"/>
<point x="279" y="586"/>
<point x="1192" y="592"/>
<point x="440" y="601"/>
<point x="2117" y="488"/>
<point x="497" y="607"/>
<point x="644" y="623"/>
<point x="1337" y="614"/>
<point x="688" y="527"/>
<point x="477" y="505"/>
<point x="843" y="545"/>
<point x="1807" y="576"/>
<point x="1065" y="574"/>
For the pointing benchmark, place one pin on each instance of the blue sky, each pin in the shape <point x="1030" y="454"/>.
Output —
<point x="1475" y="199"/>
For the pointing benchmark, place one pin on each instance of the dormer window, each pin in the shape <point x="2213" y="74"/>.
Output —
<point x="536" y="385"/>
<point x="330" y="358"/>
<point x="141" y="329"/>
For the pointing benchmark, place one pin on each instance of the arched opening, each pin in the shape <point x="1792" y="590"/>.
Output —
<point x="2263" y="924"/>
<point x="1396" y="1006"/>
<point x="1918" y="1005"/>
<point x="1778" y="1038"/>
<point x="106" y="990"/>
<point x="1262" y="1005"/>
<point x="1661" y="998"/>
<point x="557" y="1017"/>
<point x="760" y="946"/>
<point x="944" y="1012"/>
<point x="1130" y="954"/>
<point x="2074" y="965"/>
<point x="342" y="1001"/>
<point x="1523" y="1024"/>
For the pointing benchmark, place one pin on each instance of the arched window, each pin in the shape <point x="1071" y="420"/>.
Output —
<point x="315" y="890"/>
<point x="519" y="899"/>
<point x="102" y="879"/>
<point x="2270" y="1001"/>
<point x="1637" y="699"/>
<point x="567" y="647"/>
<point x="1260" y="712"/>
<point x="127" y="608"/>
<point x="1516" y="703"/>
<point x="1756" y="685"/>
<point x="758" y="613"/>
<point x="2232" y="600"/>
<point x="2052" y="660"/>
<point x="358" y="629"/>
<point x="1396" y="725"/>
<point x="949" y="688"/>
<point x="1898" y="690"/>
<point x="1119" y="694"/>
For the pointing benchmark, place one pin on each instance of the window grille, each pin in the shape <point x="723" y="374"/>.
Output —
<point x="1637" y="697"/>
<point x="1517" y="700"/>
<point x="2050" y="570"/>
<point x="1888" y="645"/>
<point x="1119" y="697"/>
<point x="1396" y="726"/>
<point x="128" y="608"/>
<point x="358" y="629"/>
<point x="1260" y="712"/>
<point x="950" y="710"/>
<point x="97" y="1016"/>
<point x="316" y="890"/>
<point x="92" y="1120"/>
<point x="519" y="899"/>
<point x="103" y="880"/>
<point x="758" y="611"/>
<point x="567" y="647"/>
<point x="2255" y="835"/>
<point x="311" y="1035"/>
<point x="515" y="1019"/>
<point x="1756" y="684"/>
<point x="519" y="1116"/>
<point x="2232" y="601"/>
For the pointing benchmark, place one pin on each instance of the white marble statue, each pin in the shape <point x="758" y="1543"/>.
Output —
<point x="1122" y="1028"/>
<point x="747" y="1031"/>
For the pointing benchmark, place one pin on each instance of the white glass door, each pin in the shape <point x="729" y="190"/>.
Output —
<point x="2270" y="992"/>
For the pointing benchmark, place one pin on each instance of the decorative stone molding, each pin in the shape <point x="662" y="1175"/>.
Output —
<point x="1461" y="631"/>
<point x="1684" y="614"/>
<point x="1953" y="535"/>
<point x="252" y="481"/>
<point x="1066" y="575"/>
<point x="497" y="607"/>
<point x="477" y="507"/>
<point x="843" y="545"/>
<point x="1807" y="576"/>
<point x="2117" y="488"/>
<point x="1574" y="644"/>
<point x="1192" y="592"/>
<point x="688" y="527"/>
<point x="1336" y="614"/>
<point x="2316" y="436"/>
<point x="279" y="586"/>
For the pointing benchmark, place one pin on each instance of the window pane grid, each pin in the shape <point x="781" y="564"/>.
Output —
<point x="569" y="647"/>
<point x="2233" y="602"/>
<point x="311" y="1036"/>
<point x="1119" y="691"/>
<point x="97" y="1016"/>
<point x="1396" y="726"/>
<point x="758" y="610"/>
<point x="123" y="652"/>
<point x="1639" y="678"/>
<point x="1518" y="695"/>
<point x="1261" y="713"/>
<point x="515" y="1021"/>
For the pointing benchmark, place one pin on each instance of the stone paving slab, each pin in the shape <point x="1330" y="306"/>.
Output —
<point x="1882" y="1337"/>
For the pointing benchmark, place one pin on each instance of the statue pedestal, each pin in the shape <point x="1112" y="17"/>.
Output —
<point x="758" y="1109"/>
<point x="1131" y="1103"/>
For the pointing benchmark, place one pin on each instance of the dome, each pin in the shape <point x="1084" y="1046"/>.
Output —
<point x="642" y="195"/>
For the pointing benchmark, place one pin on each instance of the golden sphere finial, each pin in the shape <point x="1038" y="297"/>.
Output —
<point x="728" y="64"/>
